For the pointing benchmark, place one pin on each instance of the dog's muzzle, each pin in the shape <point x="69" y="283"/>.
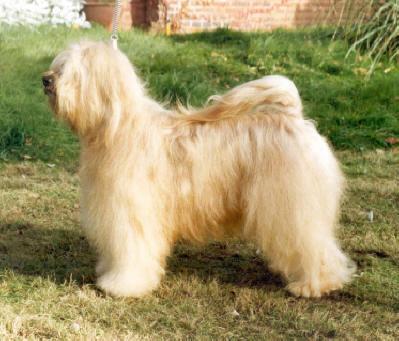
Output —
<point x="48" y="83"/>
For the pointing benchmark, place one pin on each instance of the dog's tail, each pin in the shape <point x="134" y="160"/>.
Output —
<point x="265" y="96"/>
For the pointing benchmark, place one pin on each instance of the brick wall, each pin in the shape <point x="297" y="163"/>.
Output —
<point x="138" y="12"/>
<point x="196" y="15"/>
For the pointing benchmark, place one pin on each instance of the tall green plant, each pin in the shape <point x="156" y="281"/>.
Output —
<point x="372" y="27"/>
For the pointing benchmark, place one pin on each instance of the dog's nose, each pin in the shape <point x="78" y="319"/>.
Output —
<point x="47" y="81"/>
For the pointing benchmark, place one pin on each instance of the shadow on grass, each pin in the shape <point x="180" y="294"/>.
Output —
<point x="58" y="254"/>
<point x="62" y="255"/>
<point x="219" y="38"/>
<point x="222" y="262"/>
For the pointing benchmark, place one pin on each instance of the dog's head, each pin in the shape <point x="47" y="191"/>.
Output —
<point x="91" y="84"/>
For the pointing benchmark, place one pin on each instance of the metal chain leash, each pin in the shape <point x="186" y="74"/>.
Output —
<point x="115" y="22"/>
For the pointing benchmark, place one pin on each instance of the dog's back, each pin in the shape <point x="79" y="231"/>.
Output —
<point x="266" y="96"/>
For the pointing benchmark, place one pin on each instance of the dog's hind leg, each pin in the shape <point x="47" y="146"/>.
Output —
<point x="294" y="218"/>
<point x="319" y="270"/>
<point x="305" y="253"/>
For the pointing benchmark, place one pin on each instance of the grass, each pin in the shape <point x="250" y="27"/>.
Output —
<point x="46" y="271"/>
<point x="223" y="290"/>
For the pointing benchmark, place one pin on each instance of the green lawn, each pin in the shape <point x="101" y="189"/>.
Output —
<point x="223" y="290"/>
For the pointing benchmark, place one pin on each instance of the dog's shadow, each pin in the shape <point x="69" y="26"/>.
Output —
<point x="230" y="263"/>
<point x="64" y="254"/>
<point x="57" y="254"/>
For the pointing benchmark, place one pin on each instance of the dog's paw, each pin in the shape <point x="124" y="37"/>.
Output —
<point x="126" y="284"/>
<point x="304" y="289"/>
<point x="309" y="289"/>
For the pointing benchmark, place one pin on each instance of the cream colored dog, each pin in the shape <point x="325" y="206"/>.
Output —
<point x="248" y="165"/>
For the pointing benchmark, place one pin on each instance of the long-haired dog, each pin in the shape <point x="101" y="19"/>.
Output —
<point x="248" y="164"/>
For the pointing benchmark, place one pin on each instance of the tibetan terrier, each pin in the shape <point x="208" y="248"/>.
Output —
<point x="248" y="164"/>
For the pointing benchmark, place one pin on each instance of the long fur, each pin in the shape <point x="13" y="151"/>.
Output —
<point x="248" y="165"/>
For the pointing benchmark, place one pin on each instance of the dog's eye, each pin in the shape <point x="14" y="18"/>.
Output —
<point x="47" y="80"/>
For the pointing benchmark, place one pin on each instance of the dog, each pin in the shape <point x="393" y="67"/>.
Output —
<point x="248" y="164"/>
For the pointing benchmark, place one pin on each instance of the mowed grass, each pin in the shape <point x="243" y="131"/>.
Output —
<point x="222" y="290"/>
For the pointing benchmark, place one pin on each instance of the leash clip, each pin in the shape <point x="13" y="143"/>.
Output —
<point x="114" y="41"/>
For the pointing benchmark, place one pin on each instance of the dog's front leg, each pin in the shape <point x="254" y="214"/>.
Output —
<point x="131" y="258"/>
<point x="129" y="266"/>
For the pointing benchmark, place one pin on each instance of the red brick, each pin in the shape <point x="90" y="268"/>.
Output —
<point x="194" y="15"/>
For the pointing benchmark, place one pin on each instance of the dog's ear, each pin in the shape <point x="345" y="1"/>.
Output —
<point x="96" y="86"/>
<point x="69" y="88"/>
<point x="112" y="86"/>
<point x="82" y="96"/>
